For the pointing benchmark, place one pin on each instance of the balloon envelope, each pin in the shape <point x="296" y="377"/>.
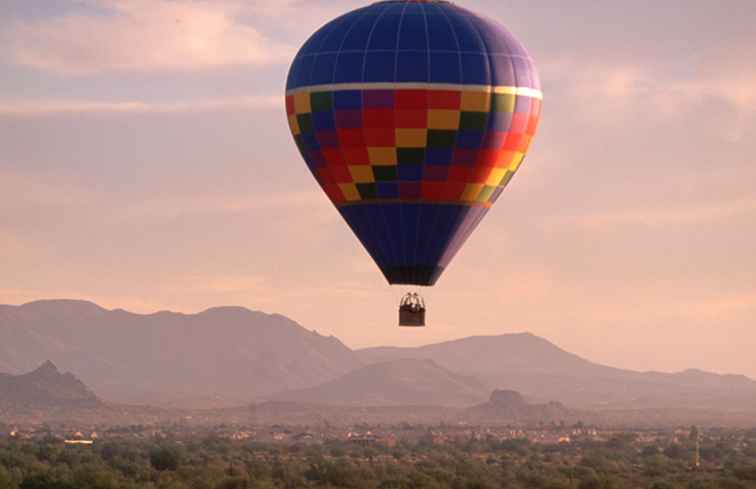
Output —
<point x="413" y="116"/>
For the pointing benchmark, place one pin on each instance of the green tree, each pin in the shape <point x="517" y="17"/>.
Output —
<point x="91" y="476"/>
<point x="596" y="482"/>
<point x="6" y="482"/>
<point x="234" y="483"/>
<point x="746" y="473"/>
<point x="662" y="485"/>
<point x="165" y="458"/>
<point x="45" y="481"/>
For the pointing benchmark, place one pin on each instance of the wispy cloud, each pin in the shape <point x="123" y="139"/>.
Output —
<point x="23" y="191"/>
<point x="143" y="36"/>
<point x="707" y="308"/>
<point x="47" y="107"/>
<point x="654" y="217"/>
<point x="24" y="195"/>
<point x="609" y="90"/>
<point x="9" y="244"/>
<point x="174" y="205"/>
<point x="50" y="192"/>
<point x="722" y="307"/>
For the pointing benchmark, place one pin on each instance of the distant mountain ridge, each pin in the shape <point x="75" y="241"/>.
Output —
<point x="232" y="356"/>
<point x="542" y="371"/>
<point x="45" y="387"/>
<point x="227" y="353"/>
<point x="395" y="383"/>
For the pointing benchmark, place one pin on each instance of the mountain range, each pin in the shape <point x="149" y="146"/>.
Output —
<point x="406" y="382"/>
<point x="543" y="371"/>
<point x="228" y="354"/>
<point x="231" y="356"/>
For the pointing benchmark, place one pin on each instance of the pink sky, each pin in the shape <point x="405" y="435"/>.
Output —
<point x="145" y="164"/>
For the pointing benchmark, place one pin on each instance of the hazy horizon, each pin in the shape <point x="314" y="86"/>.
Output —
<point x="169" y="181"/>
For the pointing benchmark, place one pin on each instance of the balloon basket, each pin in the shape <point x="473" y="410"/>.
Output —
<point x="412" y="311"/>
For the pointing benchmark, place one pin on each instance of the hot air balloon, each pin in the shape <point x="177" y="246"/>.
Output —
<point x="413" y="116"/>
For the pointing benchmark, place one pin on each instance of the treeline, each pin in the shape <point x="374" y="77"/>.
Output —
<point x="213" y="463"/>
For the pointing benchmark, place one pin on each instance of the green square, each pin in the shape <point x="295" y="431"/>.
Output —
<point x="300" y="143"/>
<point x="305" y="123"/>
<point x="410" y="156"/>
<point x="504" y="102"/>
<point x="366" y="190"/>
<point x="441" y="139"/>
<point x="384" y="173"/>
<point x="321" y="101"/>
<point x="486" y="193"/>
<point x="473" y="121"/>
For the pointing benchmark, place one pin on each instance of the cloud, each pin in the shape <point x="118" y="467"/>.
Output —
<point x="175" y="205"/>
<point x="720" y="308"/>
<point x="297" y="212"/>
<point x="653" y="303"/>
<point x="216" y="284"/>
<point x="16" y="189"/>
<point x="22" y="191"/>
<point x="51" y="107"/>
<point x="653" y="217"/>
<point x="143" y="36"/>
<point x="10" y="244"/>
<point x="605" y="87"/>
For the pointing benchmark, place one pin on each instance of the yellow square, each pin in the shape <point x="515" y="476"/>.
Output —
<point x="302" y="103"/>
<point x="472" y="190"/>
<point x="362" y="174"/>
<point x="294" y="125"/>
<point x="443" y="119"/>
<point x="495" y="177"/>
<point x="382" y="156"/>
<point x="504" y="102"/>
<point x="350" y="191"/>
<point x="411" y="138"/>
<point x="516" y="161"/>
<point x="476" y="101"/>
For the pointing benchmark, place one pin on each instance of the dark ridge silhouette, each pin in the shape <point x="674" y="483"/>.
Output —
<point x="510" y="406"/>
<point x="45" y="387"/>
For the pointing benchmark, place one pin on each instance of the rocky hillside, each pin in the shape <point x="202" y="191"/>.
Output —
<point x="45" y="387"/>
